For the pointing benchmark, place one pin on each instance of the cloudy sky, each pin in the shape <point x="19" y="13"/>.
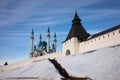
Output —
<point x="18" y="17"/>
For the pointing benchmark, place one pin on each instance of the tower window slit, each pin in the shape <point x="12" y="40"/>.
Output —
<point x="99" y="38"/>
<point x="119" y="31"/>
<point x="103" y="37"/>
<point x="113" y="33"/>
<point x="108" y="35"/>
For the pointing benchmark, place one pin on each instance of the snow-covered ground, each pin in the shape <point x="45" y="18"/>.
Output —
<point x="101" y="64"/>
<point x="43" y="70"/>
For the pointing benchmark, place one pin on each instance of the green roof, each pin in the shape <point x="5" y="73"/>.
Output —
<point x="43" y="43"/>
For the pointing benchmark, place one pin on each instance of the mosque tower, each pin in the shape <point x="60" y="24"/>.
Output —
<point x="54" y="42"/>
<point x="48" y="40"/>
<point x="31" y="43"/>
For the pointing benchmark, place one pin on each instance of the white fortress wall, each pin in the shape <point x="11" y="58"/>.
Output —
<point x="108" y="39"/>
<point x="30" y="60"/>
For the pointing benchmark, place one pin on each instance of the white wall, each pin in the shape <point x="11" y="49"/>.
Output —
<point x="109" y="39"/>
<point x="33" y="59"/>
<point x="72" y="45"/>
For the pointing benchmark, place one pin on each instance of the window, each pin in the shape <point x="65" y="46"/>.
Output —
<point x="108" y="35"/>
<point x="113" y="33"/>
<point x="103" y="37"/>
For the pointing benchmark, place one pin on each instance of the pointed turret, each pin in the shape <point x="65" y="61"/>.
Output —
<point x="54" y="35"/>
<point x="77" y="30"/>
<point x="32" y="32"/>
<point x="48" y="40"/>
<point x="40" y="38"/>
<point x="48" y="29"/>
<point x="76" y="18"/>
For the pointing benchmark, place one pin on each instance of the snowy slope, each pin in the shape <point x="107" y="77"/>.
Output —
<point x="42" y="69"/>
<point x="101" y="64"/>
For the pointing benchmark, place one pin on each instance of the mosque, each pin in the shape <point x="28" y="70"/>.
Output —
<point x="43" y="46"/>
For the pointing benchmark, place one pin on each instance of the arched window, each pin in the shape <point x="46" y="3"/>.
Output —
<point x="68" y="52"/>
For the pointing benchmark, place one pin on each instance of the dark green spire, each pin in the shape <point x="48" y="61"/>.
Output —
<point x="32" y="31"/>
<point x="40" y="37"/>
<point x="54" y="35"/>
<point x="48" y="29"/>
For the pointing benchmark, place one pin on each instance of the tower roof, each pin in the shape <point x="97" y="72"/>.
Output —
<point x="76" y="18"/>
<point x="77" y="30"/>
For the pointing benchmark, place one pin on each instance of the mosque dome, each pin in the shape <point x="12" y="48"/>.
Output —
<point x="43" y="43"/>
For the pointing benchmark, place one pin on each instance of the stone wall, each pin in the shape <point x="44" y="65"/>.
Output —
<point x="108" y="39"/>
<point x="30" y="60"/>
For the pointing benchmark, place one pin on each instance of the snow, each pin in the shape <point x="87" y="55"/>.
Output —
<point x="101" y="64"/>
<point x="42" y="69"/>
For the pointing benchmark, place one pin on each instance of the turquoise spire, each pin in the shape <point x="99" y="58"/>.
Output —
<point x="32" y="31"/>
<point x="55" y="35"/>
<point x="48" y="29"/>
<point x="40" y="37"/>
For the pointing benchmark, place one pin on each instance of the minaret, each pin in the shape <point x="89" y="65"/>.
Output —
<point x="48" y="40"/>
<point x="31" y="43"/>
<point x="54" y="42"/>
<point x="40" y="39"/>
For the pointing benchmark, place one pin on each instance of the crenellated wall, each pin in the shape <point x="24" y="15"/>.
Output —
<point x="108" y="39"/>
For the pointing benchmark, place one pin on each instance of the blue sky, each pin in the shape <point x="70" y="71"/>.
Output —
<point x="18" y="17"/>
